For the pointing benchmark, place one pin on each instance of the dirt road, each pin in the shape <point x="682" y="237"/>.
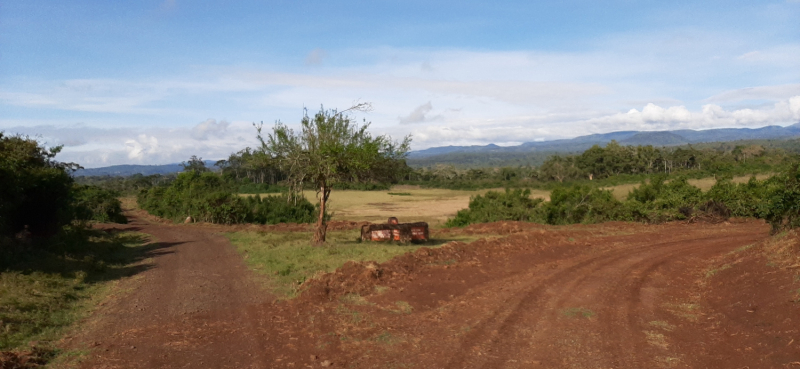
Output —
<point x="194" y="308"/>
<point x="603" y="296"/>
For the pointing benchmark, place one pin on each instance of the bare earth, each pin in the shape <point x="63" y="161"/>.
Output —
<point x="613" y="295"/>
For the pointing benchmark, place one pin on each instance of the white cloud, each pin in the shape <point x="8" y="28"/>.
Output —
<point x="418" y="115"/>
<point x="209" y="127"/>
<point x="142" y="146"/>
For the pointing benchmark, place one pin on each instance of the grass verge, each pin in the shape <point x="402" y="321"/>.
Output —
<point x="47" y="286"/>
<point x="289" y="259"/>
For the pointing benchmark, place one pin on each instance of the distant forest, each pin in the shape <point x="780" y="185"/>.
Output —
<point x="249" y="171"/>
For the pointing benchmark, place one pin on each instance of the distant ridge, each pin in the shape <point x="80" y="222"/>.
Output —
<point x="131" y="169"/>
<point x="655" y="138"/>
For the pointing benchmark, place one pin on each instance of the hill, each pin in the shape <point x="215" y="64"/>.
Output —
<point x="131" y="169"/>
<point x="655" y="138"/>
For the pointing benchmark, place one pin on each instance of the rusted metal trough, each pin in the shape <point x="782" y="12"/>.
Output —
<point x="394" y="231"/>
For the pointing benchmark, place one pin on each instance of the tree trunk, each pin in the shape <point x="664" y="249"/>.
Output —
<point x="322" y="226"/>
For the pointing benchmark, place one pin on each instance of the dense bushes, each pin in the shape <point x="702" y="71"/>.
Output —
<point x="97" y="204"/>
<point x="509" y="205"/>
<point x="37" y="192"/>
<point x="281" y="209"/>
<point x="207" y="197"/>
<point x="580" y="204"/>
<point x="34" y="188"/>
<point x="776" y="200"/>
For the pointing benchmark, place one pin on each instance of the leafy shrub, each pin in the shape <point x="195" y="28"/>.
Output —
<point x="281" y="209"/>
<point x="34" y="188"/>
<point x="581" y="204"/>
<point x="207" y="197"/>
<point x="743" y="199"/>
<point x="95" y="203"/>
<point x="494" y="206"/>
<point x="782" y="192"/>
<point x="256" y="188"/>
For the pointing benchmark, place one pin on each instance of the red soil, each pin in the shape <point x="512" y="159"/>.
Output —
<point x="613" y="295"/>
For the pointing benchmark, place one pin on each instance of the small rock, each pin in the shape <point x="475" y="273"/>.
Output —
<point x="326" y="363"/>
<point x="188" y="220"/>
<point x="313" y="357"/>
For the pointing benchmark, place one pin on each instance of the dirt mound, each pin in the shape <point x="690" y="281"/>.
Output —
<point x="361" y="278"/>
<point x="502" y="227"/>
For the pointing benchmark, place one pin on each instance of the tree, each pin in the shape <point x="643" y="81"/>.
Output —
<point x="34" y="187"/>
<point x="194" y="164"/>
<point x="331" y="148"/>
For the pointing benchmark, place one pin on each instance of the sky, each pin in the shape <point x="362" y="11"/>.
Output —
<point x="156" y="81"/>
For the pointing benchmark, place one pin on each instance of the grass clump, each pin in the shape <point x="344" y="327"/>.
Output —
<point x="578" y="312"/>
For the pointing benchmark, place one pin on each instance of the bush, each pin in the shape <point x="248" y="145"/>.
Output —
<point x="207" y="197"/>
<point x="95" y="203"/>
<point x="782" y="208"/>
<point x="34" y="188"/>
<point x="281" y="209"/>
<point x="494" y="206"/>
<point x="581" y="204"/>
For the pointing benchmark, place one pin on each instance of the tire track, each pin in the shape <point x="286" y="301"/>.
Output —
<point x="533" y="306"/>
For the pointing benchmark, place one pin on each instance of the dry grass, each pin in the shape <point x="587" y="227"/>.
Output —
<point x="435" y="206"/>
<point x="407" y="203"/>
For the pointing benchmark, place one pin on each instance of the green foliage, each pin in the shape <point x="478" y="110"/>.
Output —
<point x="280" y="209"/>
<point x="331" y="149"/>
<point x="34" y="188"/>
<point x="194" y="164"/>
<point x="207" y="197"/>
<point x="782" y="209"/>
<point x="97" y="204"/>
<point x="580" y="204"/>
<point x="47" y="286"/>
<point x="494" y="206"/>
<point x="256" y="188"/>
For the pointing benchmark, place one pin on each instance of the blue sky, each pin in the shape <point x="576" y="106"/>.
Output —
<point x="153" y="82"/>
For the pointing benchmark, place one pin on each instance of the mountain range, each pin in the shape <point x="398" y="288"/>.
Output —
<point x="655" y="138"/>
<point x="507" y="154"/>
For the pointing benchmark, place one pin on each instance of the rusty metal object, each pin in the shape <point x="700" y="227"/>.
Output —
<point x="402" y="232"/>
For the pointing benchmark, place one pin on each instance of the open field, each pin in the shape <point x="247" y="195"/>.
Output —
<point x="407" y="203"/>
<point x="435" y="206"/>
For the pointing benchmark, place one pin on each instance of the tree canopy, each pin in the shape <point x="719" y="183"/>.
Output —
<point x="330" y="148"/>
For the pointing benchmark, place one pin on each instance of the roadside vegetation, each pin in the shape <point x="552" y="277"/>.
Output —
<point x="774" y="199"/>
<point x="53" y="266"/>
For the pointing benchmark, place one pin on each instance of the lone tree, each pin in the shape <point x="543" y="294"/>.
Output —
<point x="331" y="148"/>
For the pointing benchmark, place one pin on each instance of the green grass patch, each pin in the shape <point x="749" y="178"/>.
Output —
<point x="400" y="193"/>
<point x="46" y="287"/>
<point x="289" y="258"/>
<point x="403" y="307"/>
<point x="714" y="271"/>
<point x="578" y="312"/>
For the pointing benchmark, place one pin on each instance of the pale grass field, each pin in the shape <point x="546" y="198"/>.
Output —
<point x="417" y="204"/>
<point x="435" y="205"/>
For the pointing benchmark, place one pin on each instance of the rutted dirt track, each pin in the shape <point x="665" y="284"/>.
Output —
<point x="602" y="296"/>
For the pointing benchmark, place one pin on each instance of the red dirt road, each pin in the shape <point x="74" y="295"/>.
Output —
<point x="602" y="296"/>
<point x="194" y="308"/>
